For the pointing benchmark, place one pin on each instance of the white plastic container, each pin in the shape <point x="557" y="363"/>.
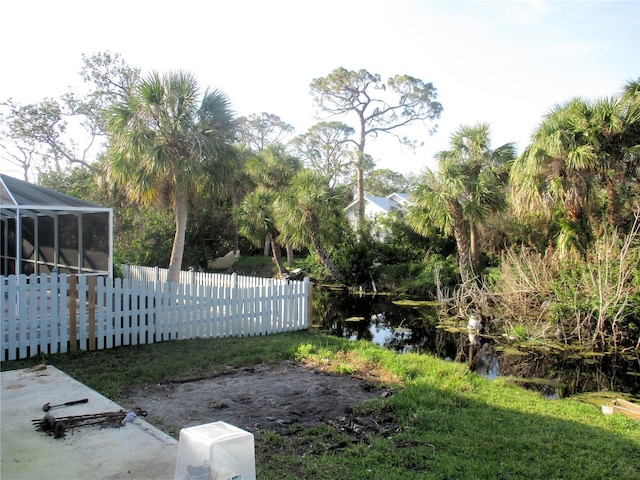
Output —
<point x="215" y="451"/>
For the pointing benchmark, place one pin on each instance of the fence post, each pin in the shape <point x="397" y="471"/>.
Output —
<point x="234" y="303"/>
<point x="309" y="288"/>
<point x="73" y="305"/>
<point x="54" y="335"/>
<point x="91" y="298"/>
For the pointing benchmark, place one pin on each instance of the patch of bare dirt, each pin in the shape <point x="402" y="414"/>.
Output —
<point x="263" y="397"/>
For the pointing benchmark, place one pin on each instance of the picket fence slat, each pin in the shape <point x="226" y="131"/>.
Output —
<point x="48" y="314"/>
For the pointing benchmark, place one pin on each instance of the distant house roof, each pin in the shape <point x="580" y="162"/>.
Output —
<point x="402" y="198"/>
<point x="383" y="204"/>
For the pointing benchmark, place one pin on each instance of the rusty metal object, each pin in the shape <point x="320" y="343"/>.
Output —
<point x="58" y="426"/>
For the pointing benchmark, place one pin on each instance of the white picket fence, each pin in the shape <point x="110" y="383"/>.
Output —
<point x="47" y="314"/>
<point x="156" y="274"/>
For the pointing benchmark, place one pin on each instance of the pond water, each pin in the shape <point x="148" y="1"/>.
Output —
<point x="383" y="320"/>
<point x="406" y="326"/>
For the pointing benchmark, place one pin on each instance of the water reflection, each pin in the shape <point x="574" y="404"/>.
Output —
<point x="380" y="319"/>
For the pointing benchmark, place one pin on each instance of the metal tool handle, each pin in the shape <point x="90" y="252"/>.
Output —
<point x="47" y="406"/>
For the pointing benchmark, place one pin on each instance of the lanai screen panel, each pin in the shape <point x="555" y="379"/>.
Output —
<point x="28" y="244"/>
<point x="46" y="244"/>
<point x="95" y="242"/>
<point x="8" y="249"/>
<point x="68" y="244"/>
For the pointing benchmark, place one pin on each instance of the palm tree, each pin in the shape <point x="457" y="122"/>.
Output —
<point x="466" y="190"/>
<point x="273" y="169"/>
<point x="256" y="222"/>
<point x="240" y="184"/>
<point x="614" y="130"/>
<point x="165" y="144"/>
<point x="582" y="151"/>
<point x="436" y="207"/>
<point x="303" y="213"/>
<point x="557" y="169"/>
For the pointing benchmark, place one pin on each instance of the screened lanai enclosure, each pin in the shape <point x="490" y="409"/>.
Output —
<point x="44" y="231"/>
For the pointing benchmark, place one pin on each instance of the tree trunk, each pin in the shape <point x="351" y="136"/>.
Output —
<point x="267" y="246"/>
<point x="235" y="201"/>
<point x="360" y="169"/>
<point x="177" y="251"/>
<point x="474" y="246"/>
<point x="360" y="186"/>
<point x="322" y="253"/>
<point x="277" y="255"/>
<point x="289" y="255"/>
<point x="462" y="240"/>
<point x="614" y="201"/>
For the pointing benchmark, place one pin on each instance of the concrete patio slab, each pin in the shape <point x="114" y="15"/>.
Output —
<point x="136" y="450"/>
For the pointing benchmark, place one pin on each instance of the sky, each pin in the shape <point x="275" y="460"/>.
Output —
<point x="506" y="63"/>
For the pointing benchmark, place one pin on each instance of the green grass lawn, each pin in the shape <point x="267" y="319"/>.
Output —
<point x="449" y="423"/>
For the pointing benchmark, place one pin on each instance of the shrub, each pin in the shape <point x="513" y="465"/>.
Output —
<point x="591" y="300"/>
<point x="420" y="278"/>
<point x="355" y="261"/>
